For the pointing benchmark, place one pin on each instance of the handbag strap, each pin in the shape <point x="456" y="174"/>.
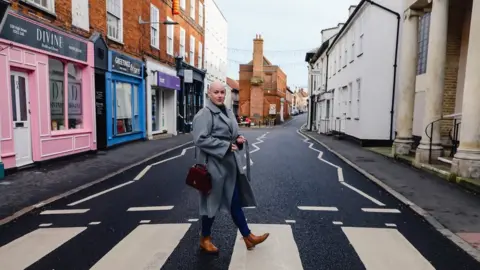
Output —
<point x="211" y="130"/>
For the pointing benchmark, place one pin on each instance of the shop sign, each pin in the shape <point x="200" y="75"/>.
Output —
<point x="168" y="81"/>
<point x="31" y="34"/>
<point x="125" y="64"/>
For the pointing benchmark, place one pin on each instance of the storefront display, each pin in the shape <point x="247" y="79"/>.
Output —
<point x="46" y="79"/>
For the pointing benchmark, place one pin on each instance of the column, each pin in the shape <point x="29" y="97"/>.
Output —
<point x="437" y="56"/>
<point x="408" y="75"/>
<point x="466" y="162"/>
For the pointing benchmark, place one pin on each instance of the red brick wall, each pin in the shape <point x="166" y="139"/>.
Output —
<point x="245" y="73"/>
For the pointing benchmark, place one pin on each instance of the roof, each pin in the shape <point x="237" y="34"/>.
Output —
<point x="233" y="83"/>
<point x="319" y="52"/>
<point x="310" y="54"/>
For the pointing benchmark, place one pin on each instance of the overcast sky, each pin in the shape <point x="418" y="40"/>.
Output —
<point x="289" y="29"/>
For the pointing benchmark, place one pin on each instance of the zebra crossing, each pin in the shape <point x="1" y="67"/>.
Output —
<point x="148" y="246"/>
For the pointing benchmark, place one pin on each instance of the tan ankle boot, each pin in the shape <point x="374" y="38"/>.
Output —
<point x="252" y="240"/>
<point x="207" y="245"/>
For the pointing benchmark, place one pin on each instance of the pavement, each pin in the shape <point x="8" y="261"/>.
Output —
<point x="321" y="213"/>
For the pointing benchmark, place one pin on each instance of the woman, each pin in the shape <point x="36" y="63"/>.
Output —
<point x="215" y="133"/>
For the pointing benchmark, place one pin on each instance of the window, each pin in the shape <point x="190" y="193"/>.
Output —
<point x="352" y="52"/>
<point x="183" y="4"/>
<point x="360" y="40"/>
<point x="359" y="87"/>
<point x="200" y="55"/>
<point x="125" y="118"/>
<point x="192" y="50"/>
<point x="48" y="5"/>
<point x="182" y="42"/>
<point x="200" y="14"/>
<point x="350" y="97"/>
<point x="59" y="72"/>
<point x="170" y="32"/>
<point x="423" y="34"/>
<point x="114" y="20"/>
<point x="154" y="27"/>
<point x="80" y="15"/>
<point x="345" y="61"/>
<point x="192" y="8"/>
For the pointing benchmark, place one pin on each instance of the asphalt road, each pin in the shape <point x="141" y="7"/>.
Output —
<point x="321" y="214"/>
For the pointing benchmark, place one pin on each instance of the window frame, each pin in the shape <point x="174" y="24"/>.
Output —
<point x="200" y="55"/>
<point x="119" y="17"/>
<point x="200" y="13"/>
<point x="134" y="102"/>
<point x="192" y="51"/>
<point x="423" y="43"/>
<point x="170" y="38"/>
<point x="154" y="26"/>
<point x="192" y="9"/>
<point x="50" y="4"/>
<point x="183" y="42"/>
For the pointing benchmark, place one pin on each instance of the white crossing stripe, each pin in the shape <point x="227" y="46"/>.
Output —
<point x="150" y="208"/>
<point x="146" y="247"/>
<point x="317" y="208"/>
<point x="279" y="251"/>
<point x="381" y="210"/>
<point x="381" y="249"/>
<point x="26" y="250"/>
<point x="64" y="212"/>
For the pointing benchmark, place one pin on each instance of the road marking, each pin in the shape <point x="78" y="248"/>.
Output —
<point x="94" y="223"/>
<point x="249" y="207"/>
<point x="337" y="223"/>
<point x="339" y="170"/>
<point x="26" y="250"/>
<point x="279" y="251"/>
<point x="174" y="157"/>
<point x="142" y="173"/>
<point x="144" y="221"/>
<point x="146" y="247"/>
<point x="193" y="220"/>
<point x="380" y="248"/>
<point x="99" y="194"/>
<point x="290" y="221"/>
<point x="64" y="211"/>
<point x="150" y="208"/>
<point x="390" y="225"/>
<point x="317" y="208"/>
<point x="45" y="225"/>
<point x="259" y="141"/>
<point x="380" y="210"/>
<point x="377" y="202"/>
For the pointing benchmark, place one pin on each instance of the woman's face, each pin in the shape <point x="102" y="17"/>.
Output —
<point x="217" y="95"/>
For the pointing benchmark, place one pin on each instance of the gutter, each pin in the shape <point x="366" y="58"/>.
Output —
<point x="396" y="14"/>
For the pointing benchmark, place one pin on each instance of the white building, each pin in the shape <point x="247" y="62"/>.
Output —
<point x="216" y="34"/>
<point x="361" y="74"/>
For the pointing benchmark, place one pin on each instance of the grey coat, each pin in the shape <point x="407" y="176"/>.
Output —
<point x="226" y="167"/>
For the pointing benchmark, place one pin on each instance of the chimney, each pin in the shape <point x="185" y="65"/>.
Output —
<point x="258" y="56"/>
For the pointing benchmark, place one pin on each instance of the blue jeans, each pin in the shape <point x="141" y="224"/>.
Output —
<point x="237" y="216"/>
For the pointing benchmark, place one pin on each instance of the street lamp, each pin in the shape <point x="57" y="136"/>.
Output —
<point x="140" y="21"/>
<point x="4" y="8"/>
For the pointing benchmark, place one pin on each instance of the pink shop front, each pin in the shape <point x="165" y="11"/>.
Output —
<point x="40" y="69"/>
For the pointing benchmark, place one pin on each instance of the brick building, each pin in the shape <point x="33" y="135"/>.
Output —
<point x="438" y="92"/>
<point x="76" y="60"/>
<point x="263" y="87"/>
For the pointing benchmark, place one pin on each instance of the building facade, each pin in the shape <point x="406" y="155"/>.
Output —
<point x="437" y="107"/>
<point x="263" y="87"/>
<point x="362" y="75"/>
<point x="289" y="101"/>
<point x="233" y="84"/>
<point x="216" y="37"/>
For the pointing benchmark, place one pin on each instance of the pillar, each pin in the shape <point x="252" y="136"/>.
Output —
<point x="282" y="100"/>
<point x="466" y="162"/>
<point x="408" y="75"/>
<point x="2" y="168"/>
<point x="437" y="56"/>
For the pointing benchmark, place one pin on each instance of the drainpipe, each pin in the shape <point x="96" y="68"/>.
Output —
<point x="395" y="63"/>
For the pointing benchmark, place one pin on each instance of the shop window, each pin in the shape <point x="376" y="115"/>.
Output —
<point x="125" y="107"/>
<point x="73" y="117"/>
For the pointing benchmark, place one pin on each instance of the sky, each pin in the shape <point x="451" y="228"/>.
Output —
<point x="289" y="29"/>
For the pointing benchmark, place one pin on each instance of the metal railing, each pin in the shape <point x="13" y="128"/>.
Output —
<point x="452" y="133"/>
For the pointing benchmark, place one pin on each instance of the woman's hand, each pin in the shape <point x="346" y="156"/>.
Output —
<point x="241" y="139"/>
<point x="234" y="147"/>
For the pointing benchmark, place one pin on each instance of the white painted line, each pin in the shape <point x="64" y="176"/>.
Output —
<point x="142" y="173"/>
<point x="380" y="249"/>
<point x="279" y="251"/>
<point x="26" y="250"/>
<point x="340" y="175"/>
<point x="390" y="224"/>
<point x="94" y="223"/>
<point x="174" y="157"/>
<point x="380" y="210"/>
<point x="141" y="249"/>
<point x="250" y="207"/>
<point x="150" y="208"/>
<point x="45" y="225"/>
<point x="64" y="212"/>
<point x="317" y="208"/>
<point x="290" y="221"/>
<point x="377" y="202"/>
<point x="337" y="223"/>
<point x="99" y="194"/>
<point x="193" y="220"/>
<point x="145" y="221"/>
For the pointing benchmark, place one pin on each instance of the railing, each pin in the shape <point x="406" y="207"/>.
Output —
<point x="338" y="123"/>
<point x="452" y="133"/>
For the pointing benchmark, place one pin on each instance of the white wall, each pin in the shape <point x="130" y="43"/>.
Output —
<point x="370" y="118"/>
<point x="216" y="31"/>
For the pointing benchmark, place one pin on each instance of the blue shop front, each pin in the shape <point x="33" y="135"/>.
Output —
<point x="124" y="99"/>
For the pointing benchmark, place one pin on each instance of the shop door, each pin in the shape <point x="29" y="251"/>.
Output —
<point x="21" y="118"/>
<point x="162" y="110"/>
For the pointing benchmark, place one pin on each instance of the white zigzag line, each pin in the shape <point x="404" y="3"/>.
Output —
<point x="259" y="139"/>
<point x="339" y="171"/>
